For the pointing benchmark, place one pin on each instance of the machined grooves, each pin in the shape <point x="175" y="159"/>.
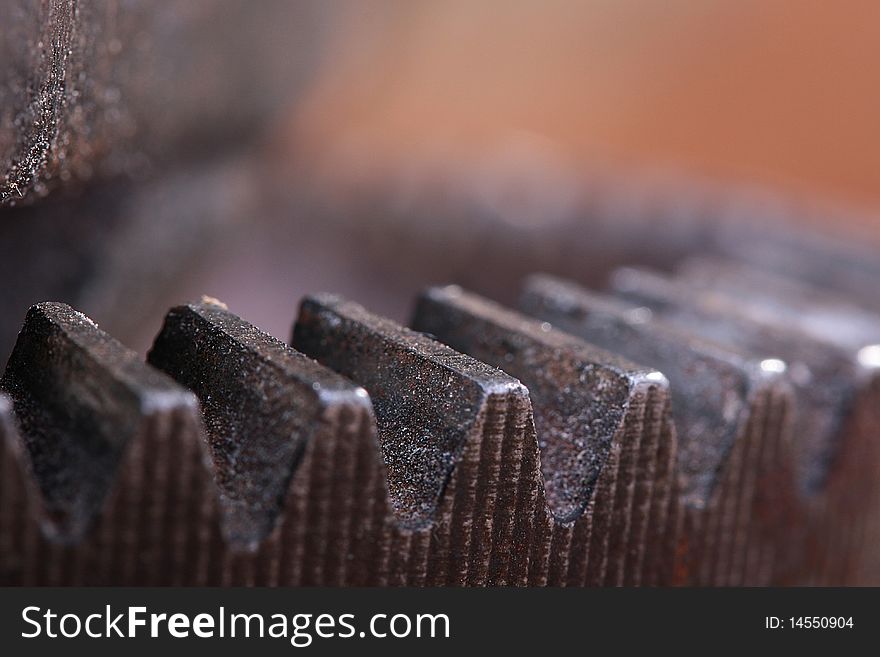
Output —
<point x="716" y="511"/>
<point x="397" y="458"/>
<point x="587" y="538"/>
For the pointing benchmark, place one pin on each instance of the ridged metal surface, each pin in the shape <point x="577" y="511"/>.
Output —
<point x="650" y="436"/>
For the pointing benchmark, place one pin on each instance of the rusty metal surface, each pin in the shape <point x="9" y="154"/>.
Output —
<point x="414" y="457"/>
<point x="824" y="378"/>
<point x="101" y="89"/>
<point x="100" y="460"/>
<point x="604" y="431"/>
<point x="80" y="398"/>
<point x="279" y="396"/>
<point x="456" y="436"/>
<point x="732" y="417"/>
<point x="580" y="394"/>
<point x="823" y="526"/>
<point x="37" y="80"/>
<point x="752" y="459"/>
<point x="428" y="398"/>
<point x="339" y="523"/>
<point x="713" y="386"/>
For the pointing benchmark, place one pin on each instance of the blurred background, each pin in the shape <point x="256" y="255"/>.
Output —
<point x="151" y="152"/>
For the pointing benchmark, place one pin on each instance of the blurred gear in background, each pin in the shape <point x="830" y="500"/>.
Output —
<point x="259" y="154"/>
<point x="127" y="139"/>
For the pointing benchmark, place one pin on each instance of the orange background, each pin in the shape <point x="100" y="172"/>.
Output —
<point x="779" y="92"/>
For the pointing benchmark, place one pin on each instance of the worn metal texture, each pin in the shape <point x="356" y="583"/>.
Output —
<point x="824" y="378"/>
<point x="457" y="439"/>
<point x="279" y="396"/>
<point x="414" y="457"/>
<point x="301" y="489"/>
<point x="832" y="373"/>
<point x="715" y="385"/>
<point x="287" y="484"/>
<point x="93" y="89"/>
<point x="731" y="414"/>
<point x="37" y="81"/>
<point x="295" y="491"/>
<point x="101" y="461"/>
<point x="605" y="435"/>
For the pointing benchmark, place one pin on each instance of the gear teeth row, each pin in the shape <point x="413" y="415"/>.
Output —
<point x="718" y="388"/>
<point x="819" y="410"/>
<point x="457" y="440"/>
<point x="727" y="410"/>
<point x="105" y="475"/>
<point x="828" y="347"/>
<point x="368" y="453"/>
<point x="605" y="434"/>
